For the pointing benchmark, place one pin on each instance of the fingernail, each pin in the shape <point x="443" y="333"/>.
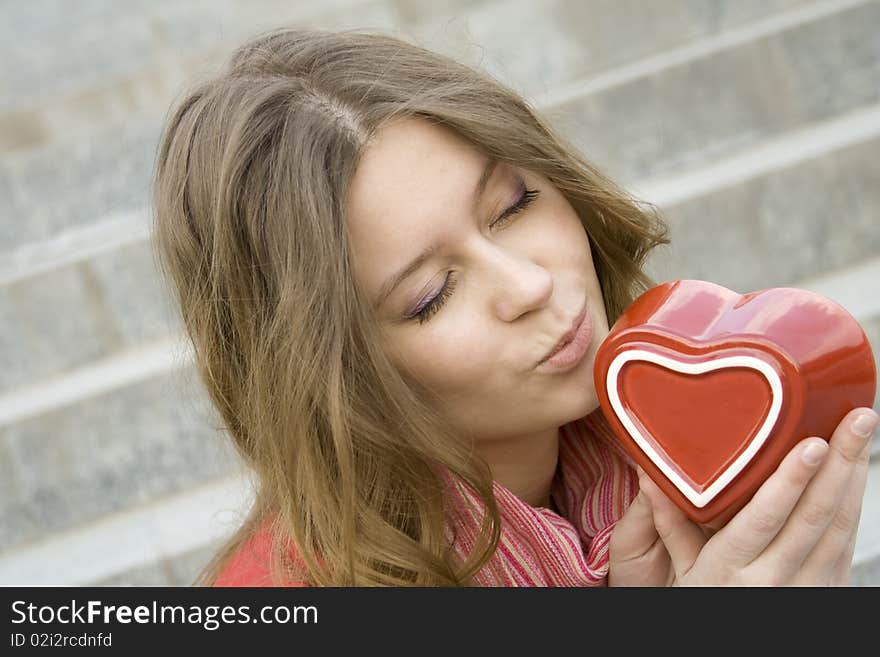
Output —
<point x="814" y="452"/>
<point x="865" y="424"/>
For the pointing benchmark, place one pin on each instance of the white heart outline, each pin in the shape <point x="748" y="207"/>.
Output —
<point x="697" y="499"/>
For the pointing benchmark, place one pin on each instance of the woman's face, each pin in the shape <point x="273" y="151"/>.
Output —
<point x="512" y="290"/>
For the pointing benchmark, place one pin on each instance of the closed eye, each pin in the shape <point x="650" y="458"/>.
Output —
<point x="434" y="304"/>
<point x="528" y="195"/>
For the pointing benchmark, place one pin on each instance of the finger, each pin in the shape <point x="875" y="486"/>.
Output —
<point x="843" y="569"/>
<point x="752" y="529"/>
<point x="683" y="539"/>
<point x="828" y="561"/>
<point x="634" y="534"/>
<point x="824" y="495"/>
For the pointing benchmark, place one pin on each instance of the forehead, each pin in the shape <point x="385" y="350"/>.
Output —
<point x="414" y="180"/>
<point x="407" y="160"/>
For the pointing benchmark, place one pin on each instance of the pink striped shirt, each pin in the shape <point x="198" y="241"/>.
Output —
<point x="594" y="483"/>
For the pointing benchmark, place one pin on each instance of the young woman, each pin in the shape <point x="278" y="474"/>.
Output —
<point x="374" y="250"/>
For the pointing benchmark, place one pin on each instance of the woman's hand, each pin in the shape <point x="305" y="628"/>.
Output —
<point x="798" y="529"/>
<point x="637" y="556"/>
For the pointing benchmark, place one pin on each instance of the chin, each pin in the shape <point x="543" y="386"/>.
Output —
<point x="585" y="402"/>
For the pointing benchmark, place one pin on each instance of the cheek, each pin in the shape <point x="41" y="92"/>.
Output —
<point x="562" y="232"/>
<point x="464" y="351"/>
<point x="575" y="235"/>
<point x="448" y="359"/>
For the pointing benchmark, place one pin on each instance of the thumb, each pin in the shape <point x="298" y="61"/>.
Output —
<point x="683" y="538"/>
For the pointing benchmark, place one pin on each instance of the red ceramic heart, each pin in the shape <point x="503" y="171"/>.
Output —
<point x="708" y="389"/>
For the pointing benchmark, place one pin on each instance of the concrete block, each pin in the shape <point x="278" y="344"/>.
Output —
<point x="52" y="322"/>
<point x="134" y="293"/>
<point x="124" y="448"/>
<point x="80" y="181"/>
<point x="790" y="225"/>
<point x="721" y="104"/>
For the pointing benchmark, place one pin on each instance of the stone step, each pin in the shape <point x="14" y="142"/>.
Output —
<point x="680" y="115"/>
<point x="543" y="49"/>
<point x="780" y="152"/>
<point x="632" y="123"/>
<point x="108" y="452"/>
<point x="815" y="188"/>
<point x="164" y="542"/>
<point x="179" y="571"/>
<point x="112" y="302"/>
<point x="802" y="221"/>
<point x="124" y="58"/>
<point x="129" y="58"/>
<point x="94" y="379"/>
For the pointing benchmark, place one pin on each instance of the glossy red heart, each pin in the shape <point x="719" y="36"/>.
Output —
<point x="708" y="389"/>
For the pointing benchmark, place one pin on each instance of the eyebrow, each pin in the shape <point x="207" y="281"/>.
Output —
<point x="393" y="281"/>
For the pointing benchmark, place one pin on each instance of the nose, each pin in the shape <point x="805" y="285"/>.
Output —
<point x="521" y="284"/>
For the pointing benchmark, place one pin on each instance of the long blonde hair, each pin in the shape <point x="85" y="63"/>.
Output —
<point x="250" y="179"/>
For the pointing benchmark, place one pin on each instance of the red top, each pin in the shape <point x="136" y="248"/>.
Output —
<point x="249" y="566"/>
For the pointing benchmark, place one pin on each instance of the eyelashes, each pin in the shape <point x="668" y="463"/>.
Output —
<point x="434" y="304"/>
<point x="528" y="195"/>
<point x="437" y="302"/>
